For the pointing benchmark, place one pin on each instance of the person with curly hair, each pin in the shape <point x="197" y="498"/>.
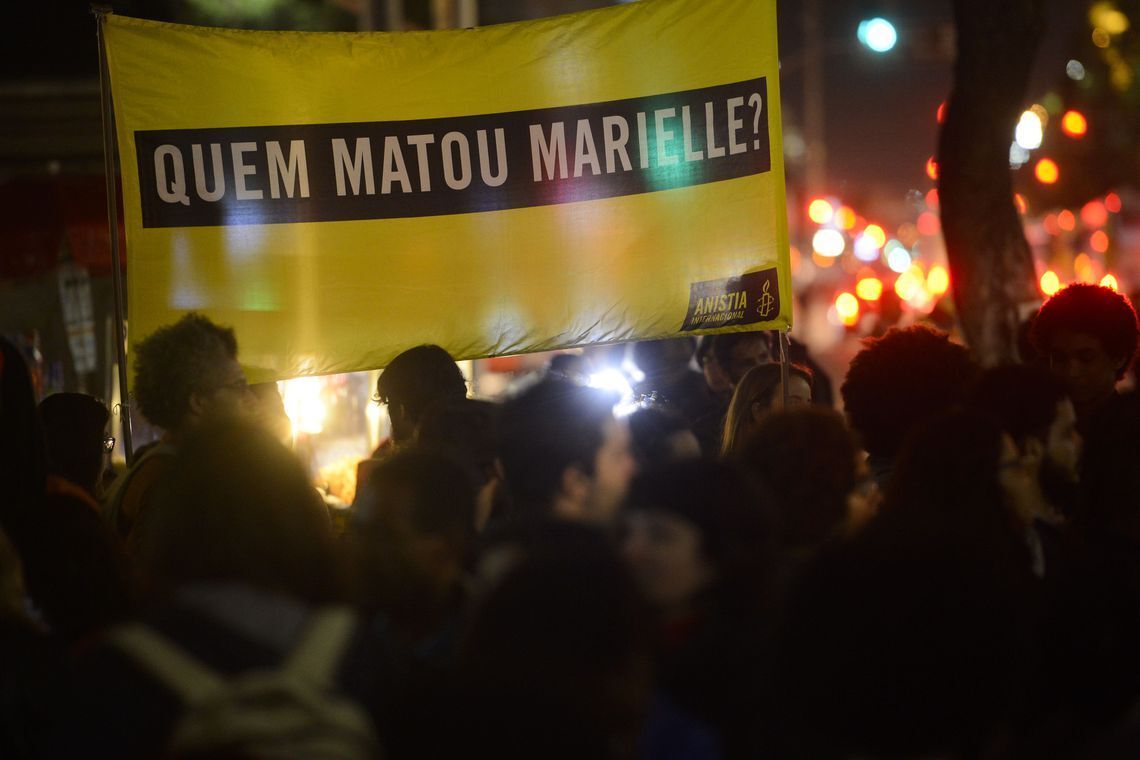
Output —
<point x="186" y="374"/>
<point x="898" y="381"/>
<point x="1089" y="334"/>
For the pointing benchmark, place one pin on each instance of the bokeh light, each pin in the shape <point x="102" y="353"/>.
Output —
<point x="878" y="34"/>
<point x="875" y="232"/>
<point x="1050" y="282"/>
<point x="931" y="168"/>
<point x="1067" y="221"/>
<point x="1098" y="241"/>
<point x="898" y="257"/>
<point x="938" y="280"/>
<point x="820" y="211"/>
<point x="844" y="218"/>
<point x="828" y="243"/>
<point x="1074" y="124"/>
<point x="869" y="288"/>
<point x="1109" y="281"/>
<point x="1094" y="214"/>
<point x="1029" y="131"/>
<point x="1046" y="171"/>
<point x="928" y="223"/>
<point x="847" y="307"/>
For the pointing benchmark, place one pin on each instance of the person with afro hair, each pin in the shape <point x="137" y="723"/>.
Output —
<point x="1089" y="335"/>
<point x="898" y="381"/>
<point x="186" y="374"/>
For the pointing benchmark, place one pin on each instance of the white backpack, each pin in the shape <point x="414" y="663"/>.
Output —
<point x="290" y="712"/>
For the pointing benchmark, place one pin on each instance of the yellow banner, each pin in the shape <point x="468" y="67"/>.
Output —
<point x="337" y="198"/>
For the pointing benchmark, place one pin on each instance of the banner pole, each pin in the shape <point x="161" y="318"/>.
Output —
<point x="785" y="367"/>
<point x="113" y="231"/>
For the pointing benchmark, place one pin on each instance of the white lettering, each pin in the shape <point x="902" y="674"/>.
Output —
<point x="200" y="173"/>
<point x="294" y="171"/>
<point x="553" y="153"/>
<point x="394" y="168"/>
<point x="664" y="135"/>
<point x="174" y="190"/>
<point x="687" y="136"/>
<point x="615" y="143"/>
<point x="643" y="140"/>
<point x="464" y="179"/>
<point x="584" y="150"/>
<point x="421" y="142"/>
<point x="715" y="151"/>
<point x="361" y="162"/>
<point x="492" y="180"/>
<point x="243" y="170"/>
<point x="734" y="125"/>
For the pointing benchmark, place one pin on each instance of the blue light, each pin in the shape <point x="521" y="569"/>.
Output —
<point x="878" y="34"/>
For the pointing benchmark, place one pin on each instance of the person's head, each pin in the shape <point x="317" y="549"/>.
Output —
<point x="694" y="530"/>
<point x="564" y="453"/>
<point x="23" y="456"/>
<point x="75" y="426"/>
<point x="573" y="367"/>
<point x="716" y="378"/>
<point x="758" y="392"/>
<point x="664" y="360"/>
<point x="413" y="381"/>
<point x="901" y="379"/>
<point x="737" y="353"/>
<point x="187" y="372"/>
<point x="1089" y="334"/>
<point x="1110" y="475"/>
<point x="805" y="458"/>
<point x="467" y="430"/>
<point x="413" y="530"/>
<point x="659" y="435"/>
<point x="1032" y="407"/>
<point x="557" y="649"/>
<point x="959" y="470"/>
<point x="238" y="507"/>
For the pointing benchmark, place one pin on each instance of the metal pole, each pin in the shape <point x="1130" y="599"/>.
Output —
<point x="113" y="230"/>
<point x="785" y="367"/>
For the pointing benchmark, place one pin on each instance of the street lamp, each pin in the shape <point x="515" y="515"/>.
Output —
<point x="878" y="34"/>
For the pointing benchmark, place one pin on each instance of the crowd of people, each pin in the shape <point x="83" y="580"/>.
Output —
<point x="948" y="568"/>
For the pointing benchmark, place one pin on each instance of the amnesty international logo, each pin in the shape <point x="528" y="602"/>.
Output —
<point x="767" y="302"/>
<point x="743" y="300"/>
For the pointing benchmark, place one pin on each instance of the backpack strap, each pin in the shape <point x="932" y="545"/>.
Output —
<point x="316" y="658"/>
<point x="188" y="678"/>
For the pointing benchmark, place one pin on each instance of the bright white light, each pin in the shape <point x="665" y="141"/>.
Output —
<point x="898" y="257"/>
<point x="303" y="404"/>
<point x="1029" y="131"/>
<point x="614" y="380"/>
<point x="866" y="248"/>
<point x="828" y="242"/>
<point x="1018" y="156"/>
<point x="1075" y="70"/>
<point x="878" y="34"/>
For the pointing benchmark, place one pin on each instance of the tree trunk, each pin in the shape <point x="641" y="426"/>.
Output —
<point x="991" y="265"/>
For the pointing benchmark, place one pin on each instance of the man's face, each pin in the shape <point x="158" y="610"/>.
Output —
<point x="1081" y="363"/>
<point x="229" y="396"/>
<point x="747" y="354"/>
<point x="613" y="469"/>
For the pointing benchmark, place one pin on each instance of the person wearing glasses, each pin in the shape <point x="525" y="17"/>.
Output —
<point x="78" y="444"/>
<point x="186" y="374"/>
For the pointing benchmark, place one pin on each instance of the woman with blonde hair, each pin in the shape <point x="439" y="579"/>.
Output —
<point x="759" y="391"/>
